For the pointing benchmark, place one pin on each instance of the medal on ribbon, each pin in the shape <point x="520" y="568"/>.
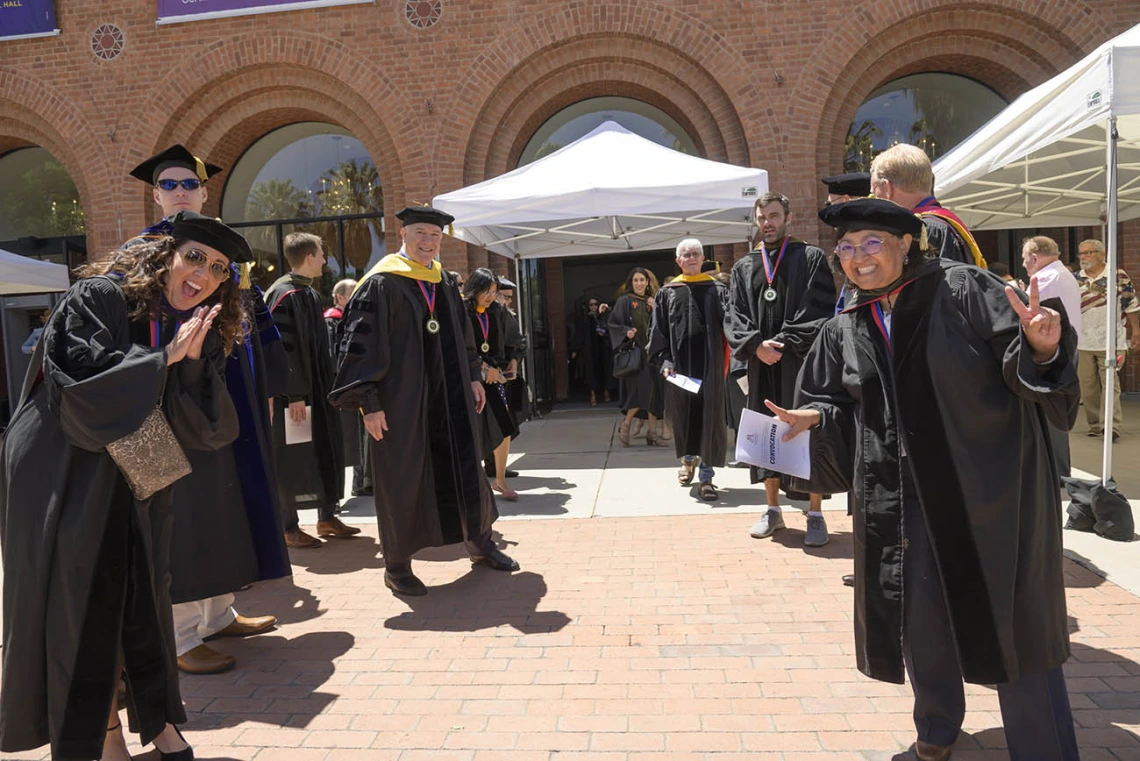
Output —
<point x="770" y="269"/>
<point x="484" y="326"/>
<point x="432" y="324"/>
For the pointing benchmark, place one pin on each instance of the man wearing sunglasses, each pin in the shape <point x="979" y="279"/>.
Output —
<point x="179" y="180"/>
<point x="228" y="503"/>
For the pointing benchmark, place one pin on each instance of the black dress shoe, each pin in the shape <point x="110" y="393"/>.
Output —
<point x="508" y="474"/>
<point x="405" y="585"/>
<point x="497" y="559"/>
<point x="849" y="580"/>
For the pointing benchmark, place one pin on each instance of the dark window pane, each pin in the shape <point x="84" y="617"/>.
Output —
<point x="934" y="111"/>
<point x="37" y="197"/>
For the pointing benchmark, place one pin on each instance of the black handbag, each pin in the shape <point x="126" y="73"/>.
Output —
<point x="628" y="359"/>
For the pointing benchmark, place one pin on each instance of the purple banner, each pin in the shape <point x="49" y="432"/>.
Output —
<point x="27" y="18"/>
<point x="173" y="11"/>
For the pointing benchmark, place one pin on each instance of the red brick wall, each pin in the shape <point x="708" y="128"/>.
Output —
<point x="767" y="84"/>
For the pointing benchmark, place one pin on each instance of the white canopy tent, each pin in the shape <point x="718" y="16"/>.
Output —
<point x="21" y="275"/>
<point x="610" y="191"/>
<point x="1066" y="153"/>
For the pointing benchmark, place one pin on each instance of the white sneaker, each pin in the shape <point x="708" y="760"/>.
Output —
<point x="772" y="522"/>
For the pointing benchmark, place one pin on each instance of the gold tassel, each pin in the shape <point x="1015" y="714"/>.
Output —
<point x="923" y="241"/>
<point x="244" y="281"/>
<point x="200" y="169"/>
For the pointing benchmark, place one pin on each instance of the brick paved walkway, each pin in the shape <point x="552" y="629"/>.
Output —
<point x="622" y="639"/>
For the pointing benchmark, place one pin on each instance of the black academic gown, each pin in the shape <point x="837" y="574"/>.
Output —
<point x="805" y="299"/>
<point x="353" y="442"/>
<point x="637" y="391"/>
<point x="427" y="473"/>
<point x="688" y="337"/>
<point x="496" y="422"/>
<point x="591" y="343"/>
<point x="315" y="467"/>
<point x="227" y="521"/>
<point x="85" y="564"/>
<point x="958" y="392"/>
<point x="943" y="240"/>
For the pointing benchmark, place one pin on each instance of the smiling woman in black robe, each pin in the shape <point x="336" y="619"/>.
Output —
<point x="86" y="572"/>
<point x="947" y="380"/>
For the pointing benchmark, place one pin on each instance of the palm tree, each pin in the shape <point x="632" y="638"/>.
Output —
<point x="353" y="187"/>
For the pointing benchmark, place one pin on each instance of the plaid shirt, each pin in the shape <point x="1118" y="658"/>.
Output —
<point x="1094" y="309"/>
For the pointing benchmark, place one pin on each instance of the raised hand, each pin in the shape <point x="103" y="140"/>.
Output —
<point x="1041" y="325"/>
<point x="187" y="343"/>
<point x="799" y="420"/>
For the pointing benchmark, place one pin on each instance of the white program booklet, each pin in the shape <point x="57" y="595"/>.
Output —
<point x="692" y="385"/>
<point x="298" y="433"/>
<point x="760" y="442"/>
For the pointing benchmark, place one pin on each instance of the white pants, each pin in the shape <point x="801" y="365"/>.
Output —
<point x="194" y="621"/>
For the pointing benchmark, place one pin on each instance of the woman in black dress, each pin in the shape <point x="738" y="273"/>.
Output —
<point x="86" y="562"/>
<point x="497" y="422"/>
<point x="629" y="322"/>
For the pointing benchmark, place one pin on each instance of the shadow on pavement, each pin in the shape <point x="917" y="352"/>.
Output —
<point x="277" y="679"/>
<point x="481" y="599"/>
<point x="1104" y="692"/>
<point x="291" y="604"/>
<point x="534" y="504"/>
<point x="336" y="556"/>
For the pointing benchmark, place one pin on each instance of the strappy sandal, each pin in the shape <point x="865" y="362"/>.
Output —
<point x="623" y="434"/>
<point x="653" y="440"/>
<point x="686" y="472"/>
<point x="707" y="491"/>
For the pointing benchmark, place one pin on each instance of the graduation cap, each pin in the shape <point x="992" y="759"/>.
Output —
<point x="872" y="214"/>
<point x="411" y="215"/>
<point x="710" y="265"/>
<point x="174" y="156"/>
<point x="851" y="184"/>
<point x="189" y="225"/>
<point x="505" y="285"/>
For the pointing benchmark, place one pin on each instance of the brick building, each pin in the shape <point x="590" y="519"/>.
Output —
<point x="438" y="94"/>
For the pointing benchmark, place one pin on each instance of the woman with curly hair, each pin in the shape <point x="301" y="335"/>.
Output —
<point x="86" y="583"/>
<point x="629" y="323"/>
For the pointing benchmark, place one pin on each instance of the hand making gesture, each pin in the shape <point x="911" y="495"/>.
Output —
<point x="187" y="343"/>
<point x="1041" y="325"/>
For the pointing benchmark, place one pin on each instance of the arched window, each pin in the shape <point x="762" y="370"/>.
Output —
<point x="37" y="197"/>
<point x="934" y="111"/>
<point x="308" y="177"/>
<point x="580" y="119"/>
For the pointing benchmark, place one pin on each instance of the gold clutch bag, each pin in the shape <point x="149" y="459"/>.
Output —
<point x="150" y="458"/>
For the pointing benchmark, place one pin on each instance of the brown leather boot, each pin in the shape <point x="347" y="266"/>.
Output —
<point x="298" y="539"/>
<point x="205" y="660"/>
<point x="335" y="527"/>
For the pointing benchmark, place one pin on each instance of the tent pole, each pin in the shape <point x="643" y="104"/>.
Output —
<point x="1112" y="313"/>
<point x="525" y="317"/>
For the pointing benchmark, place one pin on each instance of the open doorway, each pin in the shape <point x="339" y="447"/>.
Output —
<point x="586" y="278"/>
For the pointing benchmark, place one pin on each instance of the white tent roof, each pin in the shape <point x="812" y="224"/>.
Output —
<point x="1041" y="162"/>
<point x="21" y="274"/>
<point x="607" y="192"/>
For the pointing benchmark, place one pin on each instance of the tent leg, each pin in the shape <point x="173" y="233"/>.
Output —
<point x="1113" y="315"/>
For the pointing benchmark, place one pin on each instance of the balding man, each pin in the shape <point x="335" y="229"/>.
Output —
<point x="1042" y="259"/>
<point x="903" y="174"/>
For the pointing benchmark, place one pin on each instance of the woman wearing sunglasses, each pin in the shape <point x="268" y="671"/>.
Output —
<point x="86" y="592"/>
<point x="945" y="380"/>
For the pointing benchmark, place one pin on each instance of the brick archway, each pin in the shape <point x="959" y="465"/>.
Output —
<point x="995" y="43"/>
<point x="246" y="86"/>
<point x="34" y="114"/>
<point x="660" y="49"/>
